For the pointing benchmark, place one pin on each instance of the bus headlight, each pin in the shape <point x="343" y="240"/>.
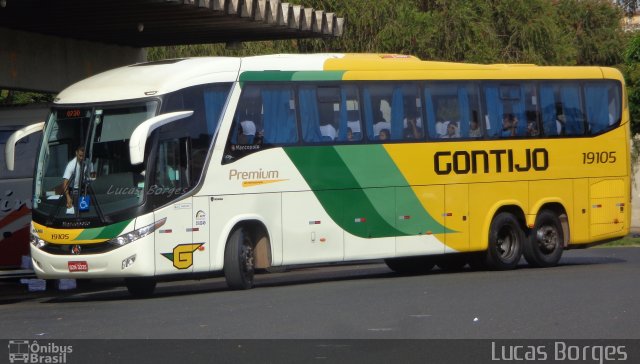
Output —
<point x="36" y="241"/>
<point x="127" y="238"/>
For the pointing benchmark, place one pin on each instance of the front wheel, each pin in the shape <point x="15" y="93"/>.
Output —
<point x="506" y="239"/>
<point x="546" y="241"/>
<point x="239" y="260"/>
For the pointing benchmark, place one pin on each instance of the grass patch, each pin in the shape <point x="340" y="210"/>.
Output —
<point x="627" y="241"/>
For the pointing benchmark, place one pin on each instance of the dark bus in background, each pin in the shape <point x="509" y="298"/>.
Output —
<point x="16" y="186"/>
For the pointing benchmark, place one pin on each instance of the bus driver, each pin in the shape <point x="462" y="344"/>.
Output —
<point x="73" y="171"/>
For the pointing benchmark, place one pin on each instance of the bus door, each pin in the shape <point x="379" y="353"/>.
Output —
<point x="174" y="245"/>
<point x="608" y="201"/>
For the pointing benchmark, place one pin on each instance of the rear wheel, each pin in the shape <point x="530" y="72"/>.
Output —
<point x="506" y="239"/>
<point x="410" y="265"/>
<point x="140" y="287"/>
<point x="239" y="260"/>
<point x="546" y="241"/>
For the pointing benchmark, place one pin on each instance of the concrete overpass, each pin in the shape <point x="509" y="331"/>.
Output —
<point x="46" y="45"/>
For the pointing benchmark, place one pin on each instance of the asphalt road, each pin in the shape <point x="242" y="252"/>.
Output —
<point x="593" y="294"/>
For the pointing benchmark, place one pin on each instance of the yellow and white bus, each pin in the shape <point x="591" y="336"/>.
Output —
<point x="207" y="165"/>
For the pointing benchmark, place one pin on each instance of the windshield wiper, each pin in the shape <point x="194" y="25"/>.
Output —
<point x="92" y="194"/>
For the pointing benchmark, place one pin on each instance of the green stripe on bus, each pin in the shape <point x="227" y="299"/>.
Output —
<point x="373" y="168"/>
<point x="360" y="188"/>
<point x="339" y="192"/>
<point x="271" y="76"/>
<point x="105" y="232"/>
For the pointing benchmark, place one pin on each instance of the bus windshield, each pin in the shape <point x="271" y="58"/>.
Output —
<point x="89" y="149"/>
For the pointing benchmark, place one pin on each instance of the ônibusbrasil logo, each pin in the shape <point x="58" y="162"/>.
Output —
<point x="27" y="351"/>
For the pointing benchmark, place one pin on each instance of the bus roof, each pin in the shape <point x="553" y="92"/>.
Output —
<point x="160" y="77"/>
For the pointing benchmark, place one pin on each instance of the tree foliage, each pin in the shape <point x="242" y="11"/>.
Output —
<point x="631" y="69"/>
<point x="594" y="26"/>
<point x="13" y="97"/>
<point x="560" y="32"/>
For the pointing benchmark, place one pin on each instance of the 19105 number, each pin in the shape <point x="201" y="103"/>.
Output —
<point x="598" y="157"/>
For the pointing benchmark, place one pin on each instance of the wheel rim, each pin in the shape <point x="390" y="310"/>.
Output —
<point x="506" y="242"/>
<point x="547" y="239"/>
<point x="247" y="260"/>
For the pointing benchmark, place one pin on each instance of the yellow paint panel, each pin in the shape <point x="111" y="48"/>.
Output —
<point x="456" y="213"/>
<point x="608" y="207"/>
<point x="579" y="224"/>
<point x="62" y="236"/>
<point x="432" y="199"/>
<point x="608" y="188"/>
<point x="524" y="73"/>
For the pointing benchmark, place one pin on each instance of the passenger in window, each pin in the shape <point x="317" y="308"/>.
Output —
<point x="349" y="134"/>
<point x="441" y="128"/>
<point x="532" y="129"/>
<point x="247" y="132"/>
<point x="560" y="124"/>
<point x="328" y="132"/>
<point x="384" y="134"/>
<point x="412" y="126"/>
<point x="452" y="131"/>
<point x="474" y="129"/>
<point x="509" y="125"/>
<point x="382" y="123"/>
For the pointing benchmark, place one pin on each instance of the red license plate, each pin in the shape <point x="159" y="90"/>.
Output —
<point x="78" y="267"/>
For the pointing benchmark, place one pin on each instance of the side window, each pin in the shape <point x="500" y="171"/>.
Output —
<point x="392" y="112"/>
<point x="453" y="110"/>
<point x="171" y="165"/>
<point x="278" y="116"/>
<point x="511" y="110"/>
<point x="329" y="114"/>
<point x="207" y="103"/>
<point x="317" y="117"/>
<point x="412" y="123"/>
<point x="561" y="106"/>
<point x="350" y="127"/>
<point x="603" y="105"/>
<point x="266" y="115"/>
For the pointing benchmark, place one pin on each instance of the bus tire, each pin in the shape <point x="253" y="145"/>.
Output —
<point x="506" y="240"/>
<point x="546" y="241"/>
<point x="238" y="260"/>
<point x="410" y="265"/>
<point x="140" y="287"/>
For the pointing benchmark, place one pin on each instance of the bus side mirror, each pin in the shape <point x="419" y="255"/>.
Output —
<point x="10" y="147"/>
<point x="139" y="136"/>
